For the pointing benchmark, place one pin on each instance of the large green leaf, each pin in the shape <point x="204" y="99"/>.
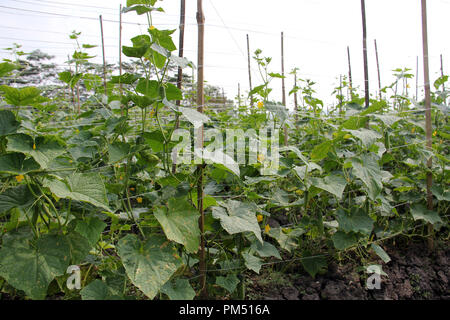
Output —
<point x="180" y="223"/>
<point x="90" y="228"/>
<point x="368" y="170"/>
<point x="8" y="123"/>
<point x="229" y="282"/>
<point x="220" y="158"/>
<point x="180" y="289"/>
<point x="42" y="149"/>
<point x="314" y="264"/>
<point x="149" y="264"/>
<point x="20" y="97"/>
<point x="6" y="68"/>
<point x="342" y="240"/>
<point x="265" y="250"/>
<point x="367" y="137"/>
<point x="236" y="217"/>
<point x="98" y="290"/>
<point x="355" y="220"/>
<point x="194" y="117"/>
<point x="118" y="151"/>
<point x="18" y="197"/>
<point x="334" y="184"/>
<point x="86" y="187"/>
<point x="320" y="151"/>
<point x="287" y="239"/>
<point x="15" y="163"/>
<point x="252" y="262"/>
<point x="31" y="268"/>
<point x="420" y="212"/>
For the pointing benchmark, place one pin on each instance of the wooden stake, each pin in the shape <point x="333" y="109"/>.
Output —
<point x="295" y="100"/>
<point x="378" y="69"/>
<point x="239" y="95"/>
<point x="120" y="58"/>
<point x="428" y="126"/>
<point x="200" y="104"/>
<point x="249" y="70"/>
<point x="283" y="87"/>
<point x="103" y="51"/>
<point x="181" y="55"/>
<point x="350" y="73"/>
<point x="366" y="63"/>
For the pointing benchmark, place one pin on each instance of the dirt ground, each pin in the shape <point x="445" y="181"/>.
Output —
<point x="414" y="273"/>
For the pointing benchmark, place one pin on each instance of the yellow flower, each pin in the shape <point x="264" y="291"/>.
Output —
<point x="19" y="178"/>
<point x="260" y="157"/>
<point x="34" y="146"/>
<point x="152" y="28"/>
<point x="299" y="192"/>
<point x="139" y="200"/>
<point x="267" y="228"/>
<point x="260" y="104"/>
<point x="413" y="130"/>
<point x="77" y="131"/>
<point x="120" y="178"/>
<point x="408" y="86"/>
<point x="152" y="113"/>
<point x="347" y="136"/>
<point x="259" y="217"/>
<point x="132" y="189"/>
<point x="434" y="134"/>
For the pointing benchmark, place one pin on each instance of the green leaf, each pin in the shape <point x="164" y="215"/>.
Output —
<point x="265" y="250"/>
<point x="355" y="220"/>
<point x="98" y="290"/>
<point x="180" y="223"/>
<point x="134" y="52"/>
<point x="173" y="93"/>
<point x="420" y="212"/>
<point x="229" y="282"/>
<point x="314" y="264"/>
<point x="440" y="81"/>
<point x="180" y="289"/>
<point x="22" y="97"/>
<point x="380" y="252"/>
<point x="387" y="120"/>
<point x="118" y="151"/>
<point x="367" y="137"/>
<point x="321" y="151"/>
<point x="236" y="217"/>
<point x="86" y="187"/>
<point x="79" y="247"/>
<point x="287" y="240"/>
<point x="8" y="123"/>
<point x="6" y="68"/>
<point x="252" y="262"/>
<point x="149" y="88"/>
<point x="126" y="78"/>
<point x="32" y="268"/>
<point x="91" y="228"/>
<point x="155" y="140"/>
<point x="42" y="149"/>
<point x="15" y="163"/>
<point x="342" y="240"/>
<point x="440" y="193"/>
<point x="334" y="184"/>
<point x="149" y="264"/>
<point x="17" y="197"/>
<point x="368" y="170"/>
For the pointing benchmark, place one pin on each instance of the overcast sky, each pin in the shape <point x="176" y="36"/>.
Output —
<point x="317" y="33"/>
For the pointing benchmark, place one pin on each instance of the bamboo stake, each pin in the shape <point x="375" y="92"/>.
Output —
<point x="296" y="100"/>
<point x="426" y="68"/>
<point x="366" y="63"/>
<point x="120" y="58"/>
<point x="103" y="52"/>
<point x="181" y="55"/>
<point x="249" y="70"/>
<point x="350" y="73"/>
<point x="200" y="104"/>
<point x="283" y="87"/>
<point x="378" y="69"/>
<point x="442" y="75"/>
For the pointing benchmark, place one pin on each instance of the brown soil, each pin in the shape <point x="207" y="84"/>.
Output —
<point x="413" y="274"/>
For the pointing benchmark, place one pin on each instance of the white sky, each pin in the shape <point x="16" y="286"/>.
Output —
<point x="317" y="33"/>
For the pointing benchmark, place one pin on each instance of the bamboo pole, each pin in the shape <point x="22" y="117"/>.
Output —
<point x="366" y="63"/>
<point x="120" y="58"/>
<point x="283" y="88"/>
<point x="378" y="69"/>
<point x="350" y="81"/>
<point x="200" y="104"/>
<point x="428" y="126"/>
<point x="296" y="100"/>
<point x="249" y="70"/>
<point x="103" y="52"/>
<point x="181" y="55"/>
